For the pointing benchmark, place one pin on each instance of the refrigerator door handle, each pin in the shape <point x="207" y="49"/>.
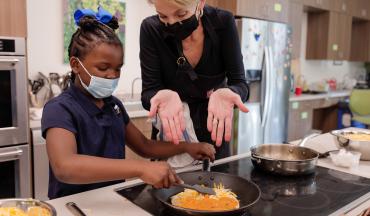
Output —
<point x="272" y="83"/>
<point x="267" y="87"/>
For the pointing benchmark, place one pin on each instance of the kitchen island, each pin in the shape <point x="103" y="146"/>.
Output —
<point x="105" y="201"/>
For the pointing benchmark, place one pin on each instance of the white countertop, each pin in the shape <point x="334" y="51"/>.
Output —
<point x="105" y="201"/>
<point x="36" y="113"/>
<point x="332" y="94"/>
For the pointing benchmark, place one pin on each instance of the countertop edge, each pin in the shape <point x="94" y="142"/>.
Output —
<point x="334" y="94"/>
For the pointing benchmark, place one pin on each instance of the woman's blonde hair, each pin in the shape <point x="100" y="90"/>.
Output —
<point x="178" y="2"/>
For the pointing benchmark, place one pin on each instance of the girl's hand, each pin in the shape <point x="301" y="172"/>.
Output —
<point x="169" y="107"/>
<point x="158" y="174"/>
<point x="201" y="151"/>
<point x="220" y="113"/>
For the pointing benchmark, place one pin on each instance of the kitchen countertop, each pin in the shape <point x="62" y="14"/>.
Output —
<point x="331" y="94"/>
<point x="105" y="201"/>
<point x="131" y="104"/>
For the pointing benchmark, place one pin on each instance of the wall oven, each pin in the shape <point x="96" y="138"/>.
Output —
<point x="15" y="162"/>
<point x="13" y="92"/>
<point x="15" y="172"/>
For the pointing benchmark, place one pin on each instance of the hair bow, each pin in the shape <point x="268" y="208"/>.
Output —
<point x="102" y="15"/>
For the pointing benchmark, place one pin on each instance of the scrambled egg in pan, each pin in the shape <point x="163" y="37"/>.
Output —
<point x="32" y="211"/>
<point x="224" y="200"/>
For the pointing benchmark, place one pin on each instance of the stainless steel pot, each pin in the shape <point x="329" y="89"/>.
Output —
<point x="24" y="204"/>
<point x="286" y="159"/>
<point x="353" y="145"/>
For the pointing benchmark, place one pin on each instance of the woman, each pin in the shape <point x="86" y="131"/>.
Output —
<point x="86" y="128"/>
<point x="190" y="52"/>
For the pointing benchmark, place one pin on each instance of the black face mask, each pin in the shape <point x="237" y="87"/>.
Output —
<point x="182" y="29"/>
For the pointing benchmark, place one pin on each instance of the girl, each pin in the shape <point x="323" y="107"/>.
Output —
<point x="86" y="128"/>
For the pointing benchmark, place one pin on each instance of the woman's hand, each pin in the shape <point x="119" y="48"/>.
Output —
<point x="220" y="113"/>
<point x="158" y="174"/>
<point x="169" y="107"/>
<point x="201" y="151"/>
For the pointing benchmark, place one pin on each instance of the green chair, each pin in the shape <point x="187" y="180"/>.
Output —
<point x="359" y="103"/>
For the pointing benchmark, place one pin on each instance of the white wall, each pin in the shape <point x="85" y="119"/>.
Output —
<point x="45" y="39"/>
<point x="315" y="70"/>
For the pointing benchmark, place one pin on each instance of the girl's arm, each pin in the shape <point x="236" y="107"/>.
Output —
<point x="158" y="149"/>
<point x="72" y="168"/>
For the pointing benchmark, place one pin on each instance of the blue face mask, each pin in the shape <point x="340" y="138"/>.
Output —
<point x="99" y="87"/>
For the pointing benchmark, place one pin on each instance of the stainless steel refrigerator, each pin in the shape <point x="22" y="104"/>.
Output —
<point x="266" y="56"/>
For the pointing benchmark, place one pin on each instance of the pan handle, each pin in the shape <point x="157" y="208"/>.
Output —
<point x="206" y="165"/>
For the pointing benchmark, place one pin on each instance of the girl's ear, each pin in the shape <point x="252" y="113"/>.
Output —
<point x="75" y="65"/>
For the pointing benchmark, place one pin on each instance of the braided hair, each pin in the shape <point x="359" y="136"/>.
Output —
<point x="90" y="34"/>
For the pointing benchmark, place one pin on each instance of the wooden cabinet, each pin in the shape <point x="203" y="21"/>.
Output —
<point x="318" y="4"/>
<point x="146" y="128"/>
<point x="13" y="18"/>
<point x="308" y="115"/>
<point x="273" y="10"/>
<point x="329" y="36"/>
<point x="360" y="41"/>
<point x="343" y="6"/>
<point x="295" y="21"/>
<point x="143" y="125"/>
<point x="360" y="9"/>
<point x="300" y="119"/>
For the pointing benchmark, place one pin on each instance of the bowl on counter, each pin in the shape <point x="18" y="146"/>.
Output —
<point x="353" y="140"/>
<point x="31" y="207"/>
<point x="344" y="158"/>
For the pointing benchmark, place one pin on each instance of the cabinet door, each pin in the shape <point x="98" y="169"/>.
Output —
<point x="13" y="18"/>
<point x="300" y="119"/>
<point x="320" y="4"/>
<point x="229" y="5"/>
<point x="360" y="8"/>
<point x="295" y="21"/>
<point x="318" y="35"/>
<point x="343" y="34"/>
<point x="254" y="9"/>
<point x="360" y="41"/>
<point x="331" y="39"/>
<point x="339" y="36"/>
<point x="273" y="10"/>
<point x="279" y="10"/>
<point x="343" y="6"/>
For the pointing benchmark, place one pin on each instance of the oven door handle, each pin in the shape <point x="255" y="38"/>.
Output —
<point x="10" y="155"/>
<point x="9" y="60"/>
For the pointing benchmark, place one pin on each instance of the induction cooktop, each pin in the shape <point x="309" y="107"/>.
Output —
<point x="326" y="192"/>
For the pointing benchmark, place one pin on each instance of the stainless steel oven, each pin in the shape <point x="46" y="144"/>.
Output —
<point x="13" y="92"/>
<point x="15" y="172"/>
<point x="15" y="159"/>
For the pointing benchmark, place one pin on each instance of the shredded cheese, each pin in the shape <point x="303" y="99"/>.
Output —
<point x="32" y="211"/>
<point x="224" y="200"/>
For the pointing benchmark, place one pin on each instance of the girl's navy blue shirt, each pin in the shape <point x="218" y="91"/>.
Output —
<point x="98" y="132"/>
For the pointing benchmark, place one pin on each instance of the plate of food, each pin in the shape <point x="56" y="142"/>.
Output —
<point x="25" y="207"/>
<point x="354" y="140"/>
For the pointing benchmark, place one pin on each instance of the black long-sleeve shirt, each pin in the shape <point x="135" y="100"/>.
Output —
<point x="220" y="65"/>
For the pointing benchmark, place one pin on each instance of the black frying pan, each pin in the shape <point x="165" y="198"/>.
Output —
<point x="248" y="193"/>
